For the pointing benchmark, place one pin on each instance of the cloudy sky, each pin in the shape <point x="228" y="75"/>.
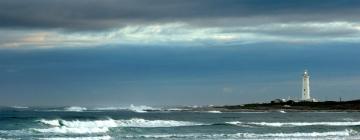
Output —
<point x="176" y="52"/>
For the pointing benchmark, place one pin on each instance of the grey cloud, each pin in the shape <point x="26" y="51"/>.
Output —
<point x="107" y="14"/>
<point x="305" y="29"/>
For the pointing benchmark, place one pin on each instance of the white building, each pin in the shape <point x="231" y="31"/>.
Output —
<point x="306" y="88"/>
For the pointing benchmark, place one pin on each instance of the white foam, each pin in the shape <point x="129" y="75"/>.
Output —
<point x="235" y="123"/>
<point x="78" y="127"/>
<point x="292" y="124"/>
<point x="348" y="119"/>
<point x="134" y="108"/>
<point x="345" y="133"/>
<point x="154" y="123"/>
<point x="214" y="111"/>
<point x="50" y="122"/>
<point x="278" y="124"/>
<point x="77" y="123"/>
<point x="20" y="107"/>
<point x="102" y="126"/>
<point x="79" y="138"/>
<point x="75" y="108"/>
<point x="140" y="109"/>
<point x="109" y="108"/>
<point x="77" y="130"/>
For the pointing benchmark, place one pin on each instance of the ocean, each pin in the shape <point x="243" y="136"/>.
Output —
<point x="137" y="123"/>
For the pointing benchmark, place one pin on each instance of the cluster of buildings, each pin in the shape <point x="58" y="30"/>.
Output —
<point x="305" y="93"/>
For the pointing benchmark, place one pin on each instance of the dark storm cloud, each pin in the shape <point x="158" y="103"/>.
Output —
<point x="105" y="14"/>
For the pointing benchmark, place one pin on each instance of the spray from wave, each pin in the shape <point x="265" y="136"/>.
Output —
<point x="134" y="108"/>
<point x="141" y="108"/>
<point x="103" y="126"/>
<point x="75" y="109"/>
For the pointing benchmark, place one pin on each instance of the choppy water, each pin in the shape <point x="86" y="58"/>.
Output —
<point x="134" y="123"/>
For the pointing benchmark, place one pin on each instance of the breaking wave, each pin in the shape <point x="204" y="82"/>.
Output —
<point x="108" y="108"/>
<point x="75" y="109"/>
<point x="347" y="132"/>
<point x="154" y="123"/>
<point x="78" y="123"/>
<point x="20" y="107"/>
<point x="214" y="111"/>
<point x="74" y="130"/>
<point x="140" y="109"/>
<point x="134" y="108"/>
<point x="106" y="137"/>
<point x="103" y="126"/>
<point x="294" y="124"/>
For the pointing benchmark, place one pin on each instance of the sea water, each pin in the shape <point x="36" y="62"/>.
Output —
<point x="136" y="123"/>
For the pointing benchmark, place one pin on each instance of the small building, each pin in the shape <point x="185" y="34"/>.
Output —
<point x="277" y="101"/>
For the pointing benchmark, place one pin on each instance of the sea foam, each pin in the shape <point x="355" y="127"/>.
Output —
<point x="77" y="126"/>
<point x="75" y="109"/>
<point x="20" y="107"/>
<point x="103" y="126"/>
<point x="134" y="108"/>
<point x="154" y="123"/>
<point x="106" y="137"/>
<point x="294" y="124"/>
<point x="76" y="130"/>
<point x="141" y="108"/>
<point x="347" y="132"/>
<point x="214" y="111"/>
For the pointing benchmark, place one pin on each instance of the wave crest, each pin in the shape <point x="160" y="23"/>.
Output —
<point x="102" y="126"/>
<point x="75" y="108"/>
<point x="106" y="137"/>
<point x="134" y="108"/>
<point x="347" y="132"/>
<point x="77" y="126"/>
<point x="140" y="109"/>
<point x="294" y="124"/>
<point x="77" y="130"/>
<point x="214" y="111"/>
<point x="154" y="123"/>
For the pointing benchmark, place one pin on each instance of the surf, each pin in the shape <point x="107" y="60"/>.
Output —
<point x="103" y="126"/>
<point x="296" y="135"/>
<point x="294" y="124"/>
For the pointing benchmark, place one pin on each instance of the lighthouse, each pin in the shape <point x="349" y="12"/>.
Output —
<point x="306" y="87"/>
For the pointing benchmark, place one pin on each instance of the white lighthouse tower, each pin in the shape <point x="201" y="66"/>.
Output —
<point x="306" y="87"/>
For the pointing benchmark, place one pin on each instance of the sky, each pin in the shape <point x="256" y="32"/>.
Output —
<point x="176" y="52"/>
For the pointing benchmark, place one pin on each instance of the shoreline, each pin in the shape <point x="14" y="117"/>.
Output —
<point x="290" y="106"/>
<point x="264" y="110"/>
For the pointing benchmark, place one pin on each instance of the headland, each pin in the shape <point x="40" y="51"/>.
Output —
<point x="289" y="106"/>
